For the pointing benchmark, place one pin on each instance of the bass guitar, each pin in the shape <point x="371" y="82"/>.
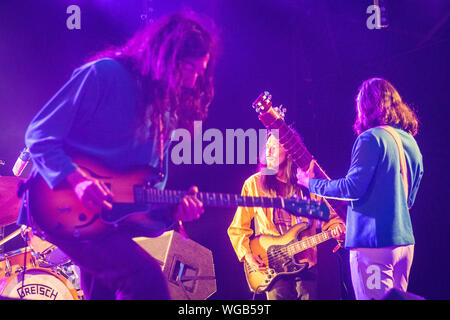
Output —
<point x="59" y="212"/>
<point x="279" y="255"/>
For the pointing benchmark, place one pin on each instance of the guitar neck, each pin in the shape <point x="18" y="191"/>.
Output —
<point x="291" y="142"/>
<point x="208" y="199"/>
<point x="309" y="242"/>
<point x="294" y="146"/>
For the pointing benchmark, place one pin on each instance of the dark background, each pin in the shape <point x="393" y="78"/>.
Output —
<point x="310" y="54"/>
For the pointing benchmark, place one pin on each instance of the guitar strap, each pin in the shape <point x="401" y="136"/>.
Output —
<point x="401" y="151"/>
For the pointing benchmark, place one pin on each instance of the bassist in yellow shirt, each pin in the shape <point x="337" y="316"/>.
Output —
<point x="279" y="281"/>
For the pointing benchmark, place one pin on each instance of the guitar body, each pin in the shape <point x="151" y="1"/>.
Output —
<point x="272" y="250"/>
<point x="60" y="213"/>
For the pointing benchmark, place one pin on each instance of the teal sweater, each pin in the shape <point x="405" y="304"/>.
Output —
<point x="378" y="214"/>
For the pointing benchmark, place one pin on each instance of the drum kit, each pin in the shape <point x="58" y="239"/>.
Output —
<point x="39" y="271"/>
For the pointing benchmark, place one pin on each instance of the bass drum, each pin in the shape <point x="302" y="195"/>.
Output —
<point x="38" y="284"/>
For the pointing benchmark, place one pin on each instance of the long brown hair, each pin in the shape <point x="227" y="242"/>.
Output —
<point x="153" y="55"/>
<point x="379" y="103"/>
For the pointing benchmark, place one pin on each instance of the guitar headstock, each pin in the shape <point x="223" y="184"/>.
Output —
<point x="307" y="208"/>
<point x="263" y="104"/>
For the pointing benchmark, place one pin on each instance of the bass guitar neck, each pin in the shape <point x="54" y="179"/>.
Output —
<point x="272" y="119"/>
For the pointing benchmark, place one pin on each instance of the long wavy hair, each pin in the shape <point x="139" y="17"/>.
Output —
<point x="154" y="54"/>
<point x="379" y="103"/>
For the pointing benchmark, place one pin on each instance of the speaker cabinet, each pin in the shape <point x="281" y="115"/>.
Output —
<point x="187" y="265"/>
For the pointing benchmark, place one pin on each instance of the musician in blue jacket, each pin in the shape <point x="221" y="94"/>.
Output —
<point x="120" y="108"/>
<point x="379" y="231"/>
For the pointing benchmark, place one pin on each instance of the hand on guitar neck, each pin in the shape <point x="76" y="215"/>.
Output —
<point x="338" y="233"/>
<point x="190" y="208"/>
<point x="96" y="195"/>
<point x="303" y="177"/>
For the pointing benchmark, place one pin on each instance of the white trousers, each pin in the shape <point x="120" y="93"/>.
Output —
<point x="375" y="271"/>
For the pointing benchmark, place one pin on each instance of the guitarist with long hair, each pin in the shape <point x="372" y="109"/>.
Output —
<point x="382" y="182"/>
<point x="119" y="109"/>
<point x="276" y="178"/>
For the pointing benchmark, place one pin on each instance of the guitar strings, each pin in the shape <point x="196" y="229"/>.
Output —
<point x="282" y="252"/>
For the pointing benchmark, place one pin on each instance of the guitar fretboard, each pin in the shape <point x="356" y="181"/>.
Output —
<point x="295" y="206"/>
<point x="309" y="242"/>
<point x="210" y="199"/>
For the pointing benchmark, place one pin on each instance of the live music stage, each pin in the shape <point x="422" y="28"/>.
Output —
<point x="306" y="60"/>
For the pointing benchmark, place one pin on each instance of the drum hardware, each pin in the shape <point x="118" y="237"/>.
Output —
<point x="71" y="272"/>
<point x="40" y="271"/>
<point x="8" y="268"/>
<point x="48" y="255"/>
<point x="17" y="261"/>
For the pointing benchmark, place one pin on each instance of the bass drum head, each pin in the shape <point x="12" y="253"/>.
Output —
<point x="39" y="284"/>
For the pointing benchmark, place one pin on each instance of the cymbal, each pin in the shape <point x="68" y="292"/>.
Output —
<point x="9" y="201"/>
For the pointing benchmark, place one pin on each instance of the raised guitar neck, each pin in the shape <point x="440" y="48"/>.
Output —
<point x="294" y="146"/>
<point x="291" y="142"/>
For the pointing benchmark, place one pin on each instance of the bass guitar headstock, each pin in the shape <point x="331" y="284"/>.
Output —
<point x="307" y="208"/>
<point x="263" y="105"/>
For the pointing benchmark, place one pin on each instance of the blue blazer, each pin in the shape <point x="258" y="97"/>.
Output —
<point x="378" y="214"/>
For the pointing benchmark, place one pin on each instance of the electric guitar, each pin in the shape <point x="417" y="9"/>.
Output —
<point x="273" y="118"/>
<point x="59" y="212"/>
<point x="279" y="255"/>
